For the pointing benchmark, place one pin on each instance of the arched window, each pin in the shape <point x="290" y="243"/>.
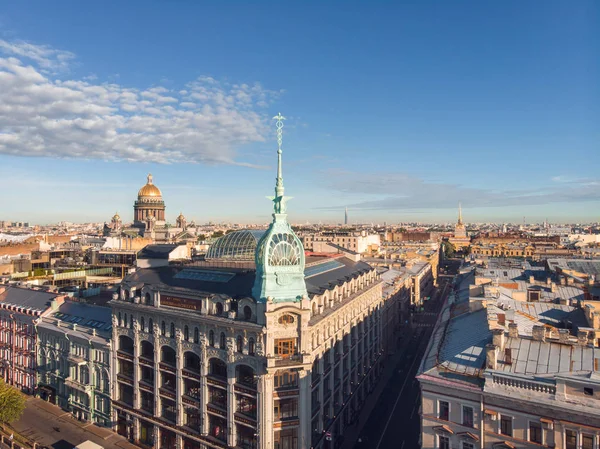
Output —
<point x="222" y="341"/>
<point x="314" y="308"/>
<point x="163" y="328"/>
<point x="147" y="350"/>
<point x="217" y="368"/>
<point x="148" y="298"/>
<point x="286" y="319"/>
<point x="247" y="313"/>
<point x="219" y="308"/>
<point x="167" y="355"/>
<point x="172" y="333"/>
<point x="211" y="338"/>
<point x="130" y="321"/>
<point x="245" y="375"/>
<point x="251" y="346"/>
<point x="191" y="362"/>
<point x="239" y="344"/>
<point x="125" y="321"/>
<point x="186" y="333"/>
<point x="143" y="324"/>
<point x="150" y="326"/>
<point x="120" y="320"/>
<point x="196" y="335"/>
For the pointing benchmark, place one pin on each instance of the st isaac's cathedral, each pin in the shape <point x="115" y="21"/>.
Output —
<point x="149" y="219"/>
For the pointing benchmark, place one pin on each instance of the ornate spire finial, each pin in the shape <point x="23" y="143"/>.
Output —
<point x="279" y="199"/>
<point x="459" y="213"/>
<point x="149" y="178"/>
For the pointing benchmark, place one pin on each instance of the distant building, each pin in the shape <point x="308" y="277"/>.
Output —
<point x="460" y="239"/>
<point x="73" y="363"/>
<point x="20" y="311"/>
<point x="359" y="242"/>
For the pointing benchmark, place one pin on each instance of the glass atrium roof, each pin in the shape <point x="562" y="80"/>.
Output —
<point x="238" y="245"/>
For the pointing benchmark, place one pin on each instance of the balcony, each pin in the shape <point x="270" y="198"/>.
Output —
<point x="76" y="359"/>
<point x="279" y="361"/>
<point x="146" y="361"/>
<point x="75" y="384"/>
<point x="125" y="355"/>
<point x="126" y="378"/>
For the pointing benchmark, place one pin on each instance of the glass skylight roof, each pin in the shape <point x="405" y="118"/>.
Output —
<point x="204" y="275"/>
<point x="322" y="268"/>
<point x="238" y="245"/>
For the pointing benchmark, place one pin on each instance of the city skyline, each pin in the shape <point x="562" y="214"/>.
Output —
<point x="401" y="139"/>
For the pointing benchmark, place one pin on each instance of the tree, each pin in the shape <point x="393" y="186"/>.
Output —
<point x="217" y="234"/>
<point x="449" y="249"/>
<point x="12" y="403"/>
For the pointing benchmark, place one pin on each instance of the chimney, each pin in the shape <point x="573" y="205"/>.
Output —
<point x="563" y="335"/>
<point x="582" y="338"/>
<point x="510" y="315"/>
<point x="570" y="281"/>
<point x="548" y="281"/>
<point x="513" y="330"/>
<point x="501" y="318"/>
<point x="491" y="356"/>
<point x="539" y="332"/>
<point x="563" y="280"/>
<point x="531" y="280"/>
<point x="498" y="338"/>
<point x="553" y="287"/>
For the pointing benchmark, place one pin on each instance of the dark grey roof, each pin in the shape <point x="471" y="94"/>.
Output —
<point x="85" y="315"/>
<point x="341" y="248"/>
<point x="156" y="251"/>
<point x="27" y="298"/>
<point x="240" y="281"/>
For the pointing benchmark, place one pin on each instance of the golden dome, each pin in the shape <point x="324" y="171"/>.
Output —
<point x="149" y="189"/>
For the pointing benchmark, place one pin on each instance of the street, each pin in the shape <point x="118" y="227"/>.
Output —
<point x="394" y="422"/>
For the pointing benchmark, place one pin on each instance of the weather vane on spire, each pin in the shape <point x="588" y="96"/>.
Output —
<point x="279" y="199"/>
<point x="280" y="118"/>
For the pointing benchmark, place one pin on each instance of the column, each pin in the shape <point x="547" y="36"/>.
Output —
<point x="265" y="412"/>
<point x="203" y="393"/>
<point x="179" y="386"/>
<point x="304" y="410"/>
<point x="137" y="397"/>
<point x="321" y="387"/>
<point x="231" y="435"/>
<point x="156" y="332"/>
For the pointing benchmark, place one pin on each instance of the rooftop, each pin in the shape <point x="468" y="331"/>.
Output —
<point x="160" y="251"/>
<point x="35" y="300"/>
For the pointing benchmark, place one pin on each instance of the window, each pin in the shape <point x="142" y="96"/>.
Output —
<point x="142" y="324"/>
<point x="285" y="409"/>
<point x="172" y="334"/>
<point x="150" y="326"/>
<point x="286" y="439"/>
<point x="186" y="333"/>
<point x="443" y="442"/>
<point x="535" y="432"/>
<point x="286" y="379"/>
<point x="196" y="335"/>
<point x="163" y="328"/>
<point x="285" y="347"/>
<point x="211" y="338"/>
<point x="286" y="319"/>
<point x="467" y="417"/>
<point x="247" y="313"/>
<point x="223" y="341"/>
<point x="467" y="445"/>
<point x="570" y="439"/>
<point x="444" y="410"/>
<point x="219" y="308"/>
<point x="239" y="344"/>
<point x="587" y="441"/>
<point x="506" y="425"/>
<point x="251" y="346"/>
<point x="588" y="391"/>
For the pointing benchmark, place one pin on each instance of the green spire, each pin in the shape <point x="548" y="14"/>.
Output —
<point x="279" y="254"/>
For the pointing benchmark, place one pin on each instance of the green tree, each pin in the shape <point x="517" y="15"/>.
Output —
<point x="201" y="237"/>
<point x="449" y="249"/>
<point x="217" y="234"/>
<point x="12" y="403"/>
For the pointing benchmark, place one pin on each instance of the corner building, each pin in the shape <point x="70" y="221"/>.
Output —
<point x="258" y="346"/>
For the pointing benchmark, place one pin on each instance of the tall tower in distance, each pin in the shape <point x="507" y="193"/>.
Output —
<point x="346" y="216"/>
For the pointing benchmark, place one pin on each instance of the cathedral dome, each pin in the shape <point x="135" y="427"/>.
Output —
<point x="149" y="190"/>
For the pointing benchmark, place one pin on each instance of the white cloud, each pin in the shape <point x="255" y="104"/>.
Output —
<point x="44" y="116"/>
<point x="47" y="58"/>
<point x="400" y="191"/>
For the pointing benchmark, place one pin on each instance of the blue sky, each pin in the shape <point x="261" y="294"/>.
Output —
<point x="398" y="110"/>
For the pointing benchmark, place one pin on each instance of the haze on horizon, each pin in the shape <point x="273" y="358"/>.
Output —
<point x="396" y="111"/>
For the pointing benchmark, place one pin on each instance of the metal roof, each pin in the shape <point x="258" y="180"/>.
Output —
<point x="237" y="245"/>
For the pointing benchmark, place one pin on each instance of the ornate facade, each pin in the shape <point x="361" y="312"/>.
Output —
<point x="149" y="206"/>
<point x="278" y="352"/>
<point x="460" y="239"/>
